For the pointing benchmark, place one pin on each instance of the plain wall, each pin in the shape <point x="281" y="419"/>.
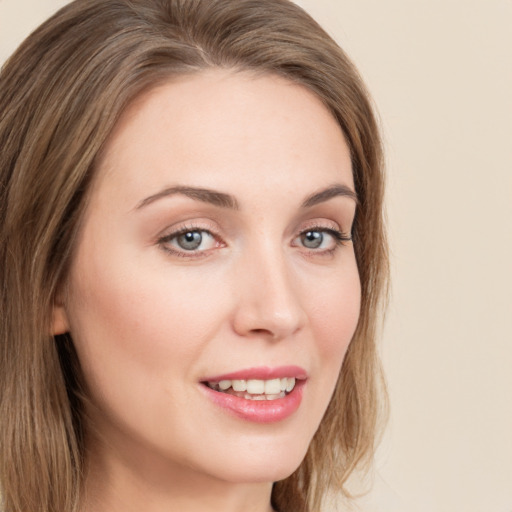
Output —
<point x="441" y="76"/>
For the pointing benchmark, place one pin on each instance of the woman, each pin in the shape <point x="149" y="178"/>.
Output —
<point x="192" y="257"/>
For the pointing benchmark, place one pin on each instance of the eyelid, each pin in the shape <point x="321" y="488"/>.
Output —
<point x="320" y="224"/>
<point x="326" y="225"/>
<point x="188" y="225"/>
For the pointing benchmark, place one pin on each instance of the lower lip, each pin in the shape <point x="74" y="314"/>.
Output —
<point x="258" y="411"/>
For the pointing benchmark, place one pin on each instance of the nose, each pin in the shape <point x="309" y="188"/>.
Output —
<point x="269" y="303"/>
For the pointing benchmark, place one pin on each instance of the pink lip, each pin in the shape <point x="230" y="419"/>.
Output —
<point x="259" y="411"/>
<point x="262" y="373"/>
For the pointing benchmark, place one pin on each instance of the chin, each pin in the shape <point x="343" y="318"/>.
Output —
<point x="254" y="473"/>
<point x="265" y="463"/>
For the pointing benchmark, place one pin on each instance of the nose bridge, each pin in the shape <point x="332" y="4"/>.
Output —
<point x="269" y="300"/>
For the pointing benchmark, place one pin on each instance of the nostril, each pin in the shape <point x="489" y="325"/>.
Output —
<point x="263" y="332"/>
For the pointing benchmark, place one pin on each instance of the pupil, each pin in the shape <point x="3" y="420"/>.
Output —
<point x="190" y="241"/>
<point x="313" y="239"/>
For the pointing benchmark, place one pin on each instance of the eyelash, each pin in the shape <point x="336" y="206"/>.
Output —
<point x="340" y="239"/>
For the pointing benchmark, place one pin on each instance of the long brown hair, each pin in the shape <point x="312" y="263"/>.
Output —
<point x="61" y="94"/>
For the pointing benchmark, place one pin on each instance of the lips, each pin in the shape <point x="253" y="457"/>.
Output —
<point x="260" y="395"/>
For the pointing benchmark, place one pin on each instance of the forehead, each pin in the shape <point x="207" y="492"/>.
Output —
<point x="221" y="128"/>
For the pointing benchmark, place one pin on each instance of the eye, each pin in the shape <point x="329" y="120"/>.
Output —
<point x="321" y="239"/>
<point x="312" y="239"/>
<point x="188" y="241"/>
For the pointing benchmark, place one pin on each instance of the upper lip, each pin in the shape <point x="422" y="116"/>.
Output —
<point x="261" y="373"/>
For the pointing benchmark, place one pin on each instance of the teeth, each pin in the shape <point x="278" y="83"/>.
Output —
<point x="272" y="387"/>
<point x="239" y="385"/>
<point x="274" y="397"/>
<point x="248" y="396"/>
<point x="257" y="389"/>
<point x="224" y="384"/>
<point x="255" y="397"/>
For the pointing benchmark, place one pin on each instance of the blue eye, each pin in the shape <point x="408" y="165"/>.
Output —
<point x="312" y="239"/>
<point x="188" y="241"/>
<point x="323" y="239"/>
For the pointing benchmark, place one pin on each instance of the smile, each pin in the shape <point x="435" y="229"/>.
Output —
<point x="261" y="395"/>
<point x="255" y="389"/>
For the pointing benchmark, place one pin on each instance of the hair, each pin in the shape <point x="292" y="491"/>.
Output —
<point x="61" y="94"/>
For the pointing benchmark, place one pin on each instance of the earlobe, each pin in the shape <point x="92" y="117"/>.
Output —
<point x="60" y="324"/>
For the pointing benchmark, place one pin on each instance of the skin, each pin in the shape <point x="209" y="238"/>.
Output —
<point x="150" y="320"/>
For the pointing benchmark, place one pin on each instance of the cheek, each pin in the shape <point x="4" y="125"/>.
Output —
<point x="334" y="318"/>
<point x="136" y="329"/>
<point x="335" y="313"/>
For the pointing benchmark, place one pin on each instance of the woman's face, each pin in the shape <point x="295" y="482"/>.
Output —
<point x="214" y="255"/>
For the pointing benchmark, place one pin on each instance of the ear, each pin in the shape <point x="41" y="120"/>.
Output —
<point x="60" y="324"/>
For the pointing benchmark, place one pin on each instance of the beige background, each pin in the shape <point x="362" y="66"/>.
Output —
<point x="441" y="75"/>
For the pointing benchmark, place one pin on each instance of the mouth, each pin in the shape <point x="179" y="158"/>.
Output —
<point x="254" y="389"/>
<point x="259" y="395"/>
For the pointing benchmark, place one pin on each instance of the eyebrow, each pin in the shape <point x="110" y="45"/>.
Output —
<point x="329" y="193"/>
<point x="199" y="194"/>
<point x="224" y="200"/>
